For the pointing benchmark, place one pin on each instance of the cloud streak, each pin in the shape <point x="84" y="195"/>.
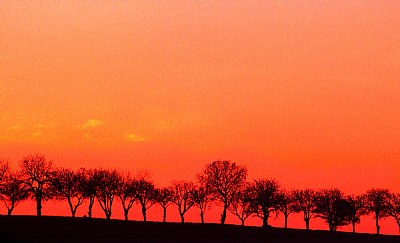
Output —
<point x="134" y="138"/>
<point x="92" y="123"/>
<point x="15" y="127"/>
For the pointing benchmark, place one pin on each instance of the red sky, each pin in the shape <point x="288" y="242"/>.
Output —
<point x="304" y="92"/>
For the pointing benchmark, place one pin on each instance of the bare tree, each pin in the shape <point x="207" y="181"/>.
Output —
<point x="37" y="172"/>
<point x="4" y="169"/>
<point x="145" y="194"/>
<point x="357" y="209"/>
<point x="241" y="207"/>
<point x="304" y="201"/>
<point x="68" y="184"/>
<point x="164" y="197"/>
<point x="13" y="190"/>
<point x="183" y="196"/>
<point x="265" y="198"/>
<point x="286" y="203"/>
<point x="225" y="179"/>
<point x="202" y="199"/>
<point x="376" y="203"/>
<point x="106" y="182"/>
<point x="393" y="207"/>
<point x="333" y="208"/>
<point x="126" y="193"/>
<point x="89" y="187"/>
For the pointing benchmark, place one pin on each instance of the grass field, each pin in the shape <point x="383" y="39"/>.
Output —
<point x="66" y="229"/>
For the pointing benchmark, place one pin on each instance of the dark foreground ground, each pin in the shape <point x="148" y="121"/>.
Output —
<point x="65" y="229"/>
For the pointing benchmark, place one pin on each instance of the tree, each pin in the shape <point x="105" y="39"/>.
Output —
<point x="264" y="194"/>
<point x="37" y="172"/>
<point x="241" y="207"/>
<point x="183" y="196"/>
<point x="202" y="199"/>
<point x="126" y="193"/>
<point x="145" y="194"/>
<point x="333" y="208"/>
<point x="68" y="184"/>
<point x="393" y="207"/>
<point x="106" y="182"/>
<point x="304" y="201"/>
<point x="4" y="169"/>
<point x="286" y="202"/>
<point x="13" y="190"/>
<point x="89" y="187"/>
<point x="376" y="203"/>
<point x="164" y="196"/>
<point x="357" y="209"/>
<point x="225" y="178"/>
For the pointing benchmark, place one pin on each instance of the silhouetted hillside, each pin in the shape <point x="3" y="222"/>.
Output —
<point x="65" y="229"/>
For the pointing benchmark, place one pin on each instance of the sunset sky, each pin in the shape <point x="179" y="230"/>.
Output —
<point x="304" y="92"/>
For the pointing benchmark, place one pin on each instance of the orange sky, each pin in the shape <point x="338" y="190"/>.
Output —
<point x="307" y="93"/>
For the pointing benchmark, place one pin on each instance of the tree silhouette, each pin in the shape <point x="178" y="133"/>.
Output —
<point x="393" y="207"/>
<point x="304" y="201"/>
<point x="183" y="196"/>
<point x="376" y="203"/>
<point x="264" y="194"/>
<point x="202" y="199"/>
<point x="68" y="184"/>
<point x="286" y="203"/>
<point x="164" y="197"/>
<point x="145" y="194"/>
<point x="357" y="209"/>
<point x="13" y="190"/>
<point x="225" y="178"/>
<point x="4" y="169"/>
<point x="333" y="208"/>
<point x="89" y="187"/>
<point x="241" y="206"/>
<point x="106" y="182"/>
<point x="37" y="172"/>
<point x="126" y="193"/>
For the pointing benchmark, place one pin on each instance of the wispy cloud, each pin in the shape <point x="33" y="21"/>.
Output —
<point x="15" y="127"/>
<point x="134" y="138"/>
<point x="41" y="125"/>
<point x="36" y="134"/>
<point x="92" y="123"/>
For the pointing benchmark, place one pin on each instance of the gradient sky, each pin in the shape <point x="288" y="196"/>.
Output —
<point x="305" y="92"/>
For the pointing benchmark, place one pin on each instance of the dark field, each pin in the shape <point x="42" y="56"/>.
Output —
<point x="65" y="229"/>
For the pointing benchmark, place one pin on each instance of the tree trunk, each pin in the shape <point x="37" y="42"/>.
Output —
<point x="71" y="207"/>
<point x="307" y="220"/>
<point x="39" y="206"/>
<point x="265" y="219"/>
<point x="9" y="211"/>
<point x="182" y="217"/>
<point x="265" y="222"/>
<point x="398" y="223"/>
<point x="126" y="212"/>
<point x="377" y="223"/>
<point x="242" y="222"/>
<point x="91" y="202"/>
<point x="286" y="219"/>
<point x="108" y="215"/>
<point x="354" y="227"/>
<point x="144" y="214"/>
<point x="223" y="216"/>
<point x="202" y="216"/>
<point x="165" y="215"/>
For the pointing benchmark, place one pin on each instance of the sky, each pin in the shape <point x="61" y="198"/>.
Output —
<point x="301" y="91"/>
